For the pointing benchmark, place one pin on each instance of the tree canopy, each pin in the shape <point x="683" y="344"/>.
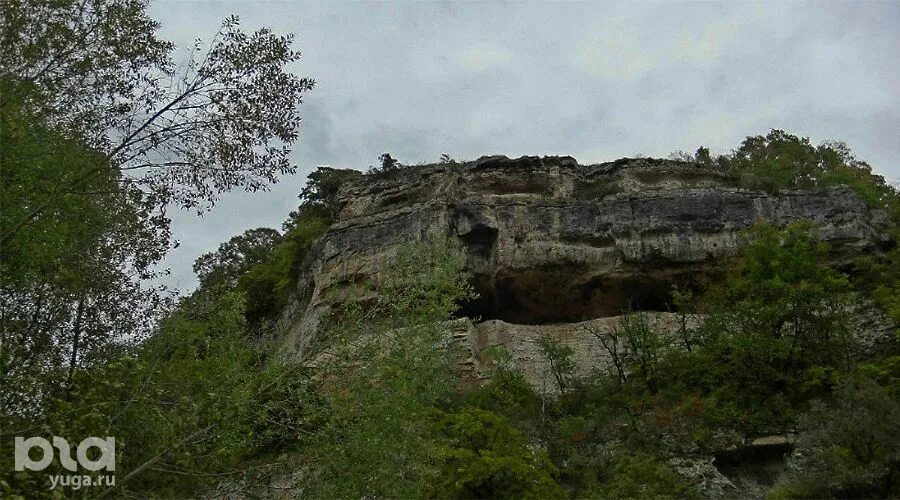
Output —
<point x="103" y="131"/>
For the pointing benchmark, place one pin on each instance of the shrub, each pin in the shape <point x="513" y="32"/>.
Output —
<point x="268" y="285"/>
<point x="391" y="364"/>
<point x="848" y="448"/>
<point x="642" y="476"/>
<point x="559" y="358"/>
<point x="781" y="293"/>
<point x="508" y="393"/>
<point x="481" y="455"/>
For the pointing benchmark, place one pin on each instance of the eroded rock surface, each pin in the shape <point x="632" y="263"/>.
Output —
<point x="521" y="343"/>
<point x="552" y="243"/>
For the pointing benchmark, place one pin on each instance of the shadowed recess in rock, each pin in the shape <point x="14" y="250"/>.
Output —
<point x="566" y="295"/>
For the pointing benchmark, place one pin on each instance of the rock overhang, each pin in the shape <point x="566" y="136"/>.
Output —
<point x="551" y="241"/>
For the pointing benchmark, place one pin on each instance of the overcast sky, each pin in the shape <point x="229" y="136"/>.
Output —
<point x="596" y="81"/>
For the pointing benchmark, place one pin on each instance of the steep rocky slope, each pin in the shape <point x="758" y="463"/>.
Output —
<point x="552" y="244"/>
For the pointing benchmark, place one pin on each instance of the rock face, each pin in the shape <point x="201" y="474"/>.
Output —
<point x="552" y="242"/>
<point x="521" y="342"/>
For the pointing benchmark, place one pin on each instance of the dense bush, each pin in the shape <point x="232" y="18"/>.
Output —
<point x="848" y="447"/>
<point x="480" y="455"/>
<point x="781" y="160"/>
<point x="187" y="407"/>
<point x="269" y="283"/>
<point x="777" y="327"/>
<point x="392" y="364"/>
<point x="641" y="476"/>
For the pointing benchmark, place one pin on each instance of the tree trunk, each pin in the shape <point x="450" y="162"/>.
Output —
<point x="76" y="340"/>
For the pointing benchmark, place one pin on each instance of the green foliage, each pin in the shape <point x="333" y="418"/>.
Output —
<point x="223" y="119"/>
<point x="101" y="134"/>
<point x="35" y="157"/>
<point x="481" y="455"/>
<point x="635" y="348"/>
<point x="773" y="162"/>
<point x="193" y="402"/>
<point x="388" y="163"/>
<point x="686" y="308"/>
<point x="774" y="339"/>
<point x="641" y="476"/>
<point x="208" y="398"/>
<point x="559" y="357"/>
<point x="195" y="367"/>
<point x="780" y="293"/>
<point x="879" y="275"/>
<point x="270" y="280"/>
<point x="196" y="401"/>
<point x="840" y="166"/>
<point x="780" y="160"/>
<point x="286" y="407"/>
<point x="507" y="393"/>
<point x="70" y="276"/>
<point x="645" y="346"/>
<point x="777" y="336"/>
<point x="848" y="448"/>
<point x="702" y="156"/>
<point x="393" y="363"/>
<point x="885" y="371"/>
<point x="321" y="190"/>
<point x="424" y="281"/>
<point x="80" y="63"/>
<point x="269" y="283"/>
<point x="235" y="257"/>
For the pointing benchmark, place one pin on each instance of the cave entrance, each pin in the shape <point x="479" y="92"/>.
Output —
<point x="546" y="296"/>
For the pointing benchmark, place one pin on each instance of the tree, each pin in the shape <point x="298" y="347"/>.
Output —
<point x="321" y="190"/>
<point x="101" y="132"/>
<point x="681" y="155"/>
<point x="96" y="69"/>
<point x="702" y="156"/>
<point x="613" y="342"/>
<point x="781" y="290"/>
<point x="559" y="358"/>
<point x="776" y="161"/>
<point x="71" y="285"/>
<point x="235" y="257"/>
<point x="840" y="166"/>
<point x="390" y="363"/>
<point x="645" y="348"/>
<point x="388" y="163"/>
<point x="848" y="446"/>
<point x="482" y="456"/>
<point x="269" y="283"/>
<point x="781" y="160"/>
<point x="641" y="475"/>
<point x="195" y="398"/>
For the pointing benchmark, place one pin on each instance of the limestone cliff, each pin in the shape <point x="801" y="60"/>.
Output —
<point x="552" y="243"/>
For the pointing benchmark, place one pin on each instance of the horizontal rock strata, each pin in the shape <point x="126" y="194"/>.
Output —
<point x="550" y="241"/>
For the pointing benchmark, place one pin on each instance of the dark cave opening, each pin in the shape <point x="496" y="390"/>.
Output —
<point x="759" y="464"/>
<point x="547" y="296"/>
<point x="567" y="292"/>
